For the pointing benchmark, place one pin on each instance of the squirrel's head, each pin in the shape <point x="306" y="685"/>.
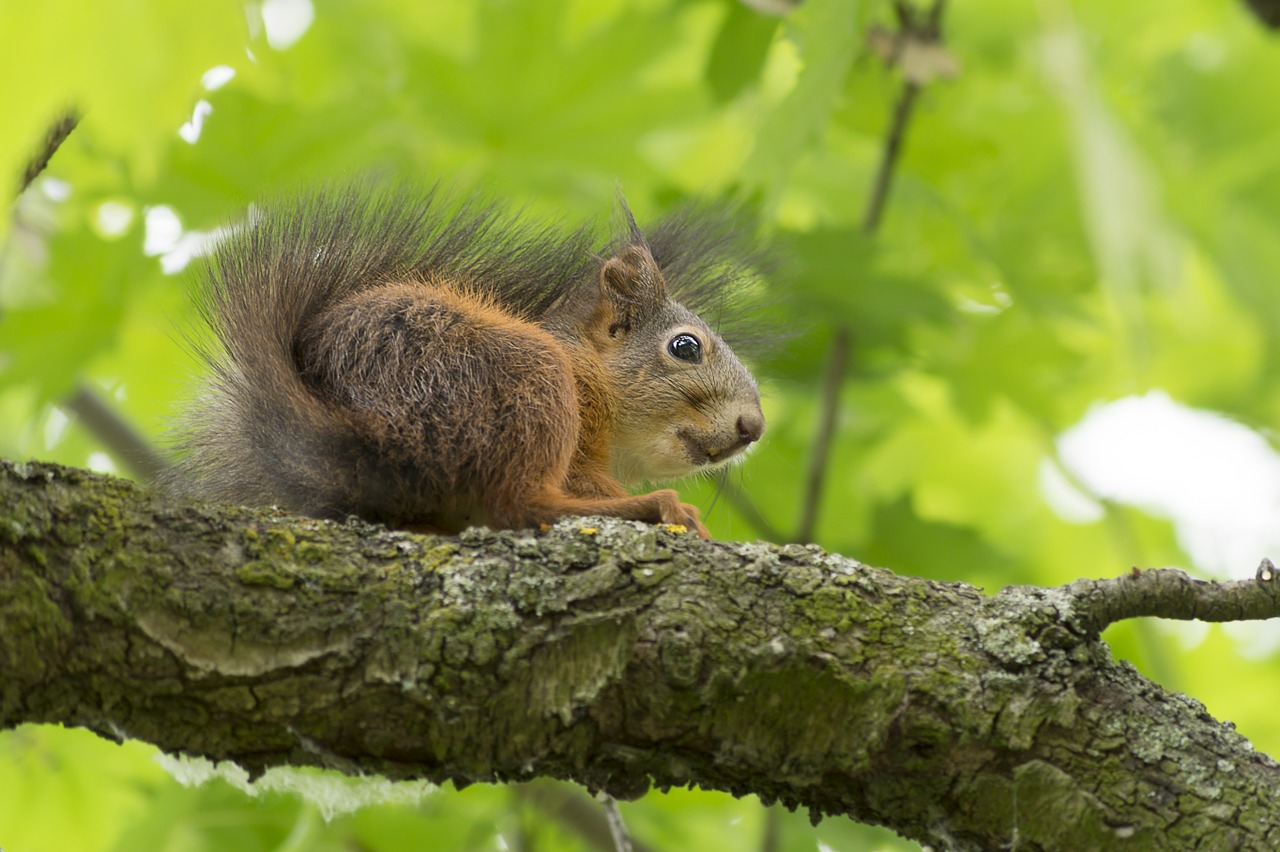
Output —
<point x="683" y="401"/>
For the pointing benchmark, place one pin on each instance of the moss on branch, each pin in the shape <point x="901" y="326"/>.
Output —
<point x="611" y="653"/>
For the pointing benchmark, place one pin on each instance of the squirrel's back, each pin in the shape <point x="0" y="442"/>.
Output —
<point x="406" y="359"/>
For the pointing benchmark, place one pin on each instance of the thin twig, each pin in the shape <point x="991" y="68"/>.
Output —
<point x="618" y="828"/>
<point x="747" y="509"/>
<point x="574" y="811"/>
<point x="842" y="340"/>
<point x="889" y="158"/>
<point x="102" y="421"/>
<point x="124" y="442"/>
<point x="769" y="835"/>
<point x="52" y="141"/>
<point x="837" y="363"/>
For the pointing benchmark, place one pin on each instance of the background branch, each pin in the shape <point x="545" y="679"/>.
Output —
<point x="53" y="140"/>
<point x="828" y="413"/>
<point x="102" y="421"/>
<point x="118" y="436"/>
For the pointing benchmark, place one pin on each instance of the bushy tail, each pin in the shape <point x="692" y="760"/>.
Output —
<point x="257" y="433"/>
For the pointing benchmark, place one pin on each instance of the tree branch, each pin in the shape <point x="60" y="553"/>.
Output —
<point x="611" y="653"/>
<point x="1170" y="593"/>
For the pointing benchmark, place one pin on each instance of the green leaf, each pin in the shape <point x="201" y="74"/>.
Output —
<point x="738" y="54"/>
<point x="826" y="35"/>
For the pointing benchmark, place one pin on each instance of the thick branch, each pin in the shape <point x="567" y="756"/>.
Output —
<point x="610" y="653"/>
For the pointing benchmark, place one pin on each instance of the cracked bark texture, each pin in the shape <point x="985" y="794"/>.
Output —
<point x="611" y="653"/>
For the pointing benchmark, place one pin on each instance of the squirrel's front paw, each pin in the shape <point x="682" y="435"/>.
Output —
<point x="669" y="510"/>
<point x="697" y="524"/>
<point x="688" y="516"/>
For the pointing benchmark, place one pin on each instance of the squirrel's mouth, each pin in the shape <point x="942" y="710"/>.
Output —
<point x="719" y="448"/>
<point x="709" y="453"/>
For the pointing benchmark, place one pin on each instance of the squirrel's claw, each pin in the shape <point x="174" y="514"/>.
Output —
<point x="686" y="516"/>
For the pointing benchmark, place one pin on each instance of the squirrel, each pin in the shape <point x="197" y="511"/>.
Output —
<point x="433" y="365"/>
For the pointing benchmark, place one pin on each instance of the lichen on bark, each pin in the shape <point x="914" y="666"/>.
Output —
<point x="615" y="654"/>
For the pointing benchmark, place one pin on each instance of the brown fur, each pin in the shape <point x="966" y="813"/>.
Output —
<point x="376" y="356"/>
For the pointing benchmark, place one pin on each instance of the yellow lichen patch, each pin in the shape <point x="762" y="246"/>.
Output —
<point x="675" y="528"/>
<point x="589" y="530"/>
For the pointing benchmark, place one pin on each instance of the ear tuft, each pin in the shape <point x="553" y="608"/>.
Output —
<point x="637" y="238"/>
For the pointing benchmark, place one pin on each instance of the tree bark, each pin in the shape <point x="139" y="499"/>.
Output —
<point x="614" y="654"/>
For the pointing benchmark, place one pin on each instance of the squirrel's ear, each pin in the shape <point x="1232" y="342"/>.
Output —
<point x="631" y="282"/>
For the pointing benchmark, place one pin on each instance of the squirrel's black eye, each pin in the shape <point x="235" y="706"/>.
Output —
<point x="686" y="347"/>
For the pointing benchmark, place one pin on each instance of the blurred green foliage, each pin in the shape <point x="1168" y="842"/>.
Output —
<point x="1088" y="210"/>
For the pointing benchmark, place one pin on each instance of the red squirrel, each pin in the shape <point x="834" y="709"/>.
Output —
<point x="387" y="354"/>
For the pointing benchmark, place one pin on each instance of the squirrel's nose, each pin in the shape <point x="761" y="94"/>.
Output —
<point x="750" y="426"/>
